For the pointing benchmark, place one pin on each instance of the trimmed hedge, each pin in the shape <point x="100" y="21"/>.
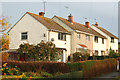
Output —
<point x="91" y="68"/>
<point x="96" y="68"/>
<point x="75" y="67"/>
<point x="39" y="66"/>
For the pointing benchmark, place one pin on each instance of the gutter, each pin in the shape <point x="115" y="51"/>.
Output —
<point x="59" y="31"/>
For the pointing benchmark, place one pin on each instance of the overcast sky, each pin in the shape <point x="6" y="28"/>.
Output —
<point x="105" y="11"/>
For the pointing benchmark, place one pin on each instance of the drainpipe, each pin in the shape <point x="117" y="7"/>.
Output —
<point x="117" y="65"/>
<point x="48" y="35"/>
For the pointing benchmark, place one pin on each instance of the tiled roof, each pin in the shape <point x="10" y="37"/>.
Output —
<point x="80" y="27"/>
<point x="49" y="23"/>
<point x="107" y="32"/>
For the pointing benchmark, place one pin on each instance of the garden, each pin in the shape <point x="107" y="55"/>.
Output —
<point x="48" y="69"/>
<point x="40" y="62"/>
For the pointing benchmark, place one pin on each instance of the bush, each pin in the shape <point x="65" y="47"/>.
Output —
<point x="75" y="66"/>
<point x="7" y="70"/>
<point x="80" y="56"/>
<point x="45" y="51"/>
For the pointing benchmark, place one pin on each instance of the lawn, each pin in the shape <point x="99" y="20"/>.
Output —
<point x="77" y="74"/>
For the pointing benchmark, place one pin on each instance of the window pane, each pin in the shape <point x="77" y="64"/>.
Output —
<point x="87" y="37"/>
<point x="62" y="36"/>
<point x="78" y="35"/>
<point x="24" y="36"/>
<point x="96" y="39"/>
<point x="102" y="40"/>
<point x="58" y="35"/>
<point x="112" y="40"/>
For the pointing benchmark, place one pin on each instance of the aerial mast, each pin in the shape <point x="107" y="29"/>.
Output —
<point x="44" y="5"/>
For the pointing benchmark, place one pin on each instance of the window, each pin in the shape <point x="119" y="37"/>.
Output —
<point x="62" y="36"/>
<point x="112" y="40"/>
<point x="88" y="37"/>
<point x="78" y="35"/>
<point x="44" y="35"/>
<point x="102" y="53"/>
<point x="102" y="40"/>
<point x="24" y="36"/>
<point x="96" y="52"/>
<point x="96" y="39"/>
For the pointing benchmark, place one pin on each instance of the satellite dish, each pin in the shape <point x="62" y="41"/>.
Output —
<point x="52" y="39"/>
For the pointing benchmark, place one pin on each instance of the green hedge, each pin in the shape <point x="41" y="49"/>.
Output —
<point x="75" y="67"/>
<point x="95" y="68"/>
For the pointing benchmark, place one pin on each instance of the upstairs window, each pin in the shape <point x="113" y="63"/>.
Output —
<point x="88" y="37"/>
<point x="112" y="40"/>
<point x="24" y="36"/>
<point x="62" y="36"/>
<point x="78" y="35"/>
<point x="96" y="39"/>
<point x="102" y="40"/>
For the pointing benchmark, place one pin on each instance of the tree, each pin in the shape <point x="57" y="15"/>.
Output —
<point x="5" y="42"/>
<point x="4" y="24"/>
<point x="4" y="39"/>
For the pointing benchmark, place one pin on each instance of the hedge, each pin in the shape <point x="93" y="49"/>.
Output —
<point x="75" y="67"/>
<point x="90" y="68"/>
<point x="96" y="68"/>
<point x="39" y="66"/>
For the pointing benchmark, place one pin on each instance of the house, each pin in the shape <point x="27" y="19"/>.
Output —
<point x="118" y="47"/>
<point x="33" y="28"/>
<point x="111" y="41"/>
<point x="84" y="38"/>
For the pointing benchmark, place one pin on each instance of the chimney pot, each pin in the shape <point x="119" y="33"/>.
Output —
<point x="41" y="13"/>
<point x="87" y="24"/>
<point x="96" y="23"/>
<point x="70" y="18"/>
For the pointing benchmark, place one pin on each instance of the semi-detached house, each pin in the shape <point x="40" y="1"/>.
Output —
<point x="83" y="36"/>
<point x="111" y="41"/>
<point x="33" y="28"/>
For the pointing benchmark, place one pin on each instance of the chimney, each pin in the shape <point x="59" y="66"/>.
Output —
<point x="70" y="18"/>
<point x="87" y="24"/>
<point x="41" y="14"/>
<point x="96" y="24"/>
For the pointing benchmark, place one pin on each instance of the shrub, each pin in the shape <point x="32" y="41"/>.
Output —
<point x="80" y="56"/>
<point x="10" y="71"/>
<point x="42" y="51"/>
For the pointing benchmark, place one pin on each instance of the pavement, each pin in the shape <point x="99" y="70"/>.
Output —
<point x="109" y="76"/>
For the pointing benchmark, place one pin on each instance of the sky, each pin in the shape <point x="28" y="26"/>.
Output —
<point x="105" y="11"/>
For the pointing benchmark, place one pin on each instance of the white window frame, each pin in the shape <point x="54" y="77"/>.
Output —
<point x="87" y="37"/>
<point x="25" y="35"/>
<point x="78" y="35"/>
<point x="62" y="36"/>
